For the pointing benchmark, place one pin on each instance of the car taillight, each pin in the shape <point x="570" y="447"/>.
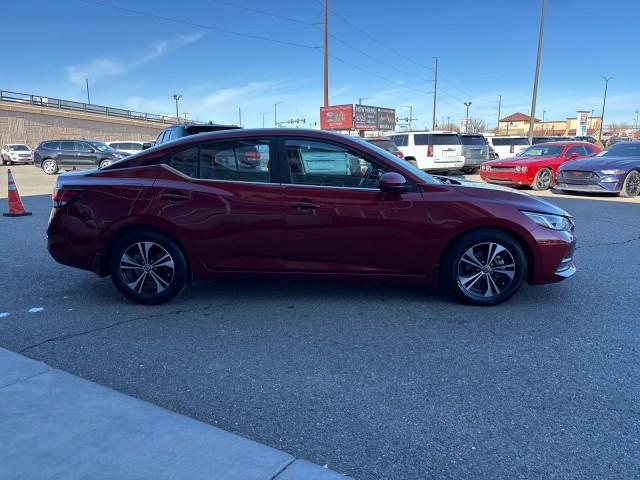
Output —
<point x="399" y="154"/>
<point x="511" y="149"/>
<point x="430" y="151"/>
<point x="62" y="197"/>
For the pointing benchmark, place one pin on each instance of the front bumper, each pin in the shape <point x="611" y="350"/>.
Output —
<point x="600" y="187"/>
<point x="554" y="259"/>
<point x="505" y="178"/>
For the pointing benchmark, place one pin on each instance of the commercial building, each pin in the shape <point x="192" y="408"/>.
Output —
<point x="518" y="124"/>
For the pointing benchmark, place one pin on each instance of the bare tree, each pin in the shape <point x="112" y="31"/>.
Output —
<point x="451" y="127"/>
<point x="476" y="125"/>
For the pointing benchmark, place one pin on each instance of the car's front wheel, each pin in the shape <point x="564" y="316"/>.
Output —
<point x="148" y="267"/>
<point x="543" y="179"/>
<point x="50" y="166"/>
<point x="631" y="186"/>
<point x="105" y="163"/>
<point x="484" y="267"/>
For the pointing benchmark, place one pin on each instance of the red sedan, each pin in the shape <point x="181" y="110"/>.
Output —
<point x="308" y="203"/>
<point x="537" y="165"/>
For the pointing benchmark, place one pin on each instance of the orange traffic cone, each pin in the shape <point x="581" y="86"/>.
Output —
<point x="16" y="207"/>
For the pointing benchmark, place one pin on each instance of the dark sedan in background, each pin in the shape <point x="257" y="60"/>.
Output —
<point x="614" y="170"/>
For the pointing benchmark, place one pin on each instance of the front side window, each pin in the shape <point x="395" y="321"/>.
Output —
<point x="186" y="162"/>
<point x="324" y="164"/>
<point x="101" y="147"/>
<point x="83" y="147"/>
<point x="541" y="150"/>
<point x="579" y="149"/>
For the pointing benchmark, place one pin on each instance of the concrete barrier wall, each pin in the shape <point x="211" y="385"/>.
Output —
<point x="31" y="125"/>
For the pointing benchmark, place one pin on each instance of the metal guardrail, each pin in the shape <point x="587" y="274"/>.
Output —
<point x="49" y="102"/>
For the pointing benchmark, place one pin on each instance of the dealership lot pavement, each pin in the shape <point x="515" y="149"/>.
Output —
<point x="374" y="380"/>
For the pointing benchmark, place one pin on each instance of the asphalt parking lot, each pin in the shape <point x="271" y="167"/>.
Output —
<point x="375" y="380"/>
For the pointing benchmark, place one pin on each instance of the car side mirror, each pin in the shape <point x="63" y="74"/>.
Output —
<point x="392" y="182"/>
<point x="145" y="146"/>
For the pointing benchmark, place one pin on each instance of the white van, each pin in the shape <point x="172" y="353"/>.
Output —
<point x="507" y="146"/>
<point x="431" y="150"/>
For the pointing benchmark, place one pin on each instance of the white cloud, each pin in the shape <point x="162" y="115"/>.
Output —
<point x="106" y="67"/>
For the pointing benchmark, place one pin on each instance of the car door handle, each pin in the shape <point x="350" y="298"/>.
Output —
<point x="304" y="205"/>
<point x="174" y="196"/>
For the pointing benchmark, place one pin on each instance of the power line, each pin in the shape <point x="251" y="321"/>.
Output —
<point x="262" y="12"/>
<point x="195" y="24"/>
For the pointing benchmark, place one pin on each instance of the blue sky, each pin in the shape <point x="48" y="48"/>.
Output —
<point x="386" y="50"/>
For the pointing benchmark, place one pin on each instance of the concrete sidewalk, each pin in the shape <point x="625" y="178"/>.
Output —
<point x="56" y="425"/>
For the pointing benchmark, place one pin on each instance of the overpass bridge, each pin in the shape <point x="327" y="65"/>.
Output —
<point x="30" y="119"/>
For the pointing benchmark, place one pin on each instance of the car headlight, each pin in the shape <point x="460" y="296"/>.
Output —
<point x="554" y="222"/>
<point x="521" y="169"/>
<point x="613" y="172"/>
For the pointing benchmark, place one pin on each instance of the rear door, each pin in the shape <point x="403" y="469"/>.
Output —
<point x="67" y="153"/>
<point x="225" y="199"/>
<point x="338" y="220"/>
<point x="446" y="147"/>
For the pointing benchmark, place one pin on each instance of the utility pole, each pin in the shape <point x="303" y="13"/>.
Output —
<point x="435" y="94"/>
<point x="263" y="114"/>
<point x="499" y="107"/>
<point x="604" y="102"/>
<point x="326" y="53"/>
<point x="466" y="123"/>
<point x="448" y="121"/>
<point x="636" y="119"/>
<point x="177" y="98"/>
<point x="239" y="116"/>
<point x="275" y="114"/>
<point x="360" y="99"/>
<point x="88" y="97"/>
<point x="535" y="81"/>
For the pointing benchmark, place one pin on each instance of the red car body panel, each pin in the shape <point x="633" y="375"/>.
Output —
<point x="232" y="227"/>
<point x="506" y="175"/>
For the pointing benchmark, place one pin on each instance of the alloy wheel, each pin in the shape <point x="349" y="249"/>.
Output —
<point x="633" y="187"/>
<point x="49" y="167"/>
<point x="105" y="163"/>
<point x="486" y="270"/>
<point x="147" y="268"/>
<point x="543" y="179"/>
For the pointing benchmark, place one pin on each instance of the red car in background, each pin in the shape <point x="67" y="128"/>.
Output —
<point x="537" y="165"/>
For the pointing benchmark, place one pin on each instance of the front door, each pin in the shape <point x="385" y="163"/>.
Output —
<point x="227" y="203"/>
<point x="86" y="156"/>
<point x="339" y="221"/>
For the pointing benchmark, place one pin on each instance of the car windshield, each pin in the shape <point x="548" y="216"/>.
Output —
<point x="541" y="151"/>
<point x="101" y="147"/>
<point x="621" y="150"/>
<point x="425" y="177"/>
<point x="18" y="148"/>
<point x="473" y="140"/>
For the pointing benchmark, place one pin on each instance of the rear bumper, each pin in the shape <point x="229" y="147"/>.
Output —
<point x="438" y="164"/>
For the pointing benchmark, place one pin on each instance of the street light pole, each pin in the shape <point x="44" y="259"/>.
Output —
<point x="177" y="98"/>
<point x="535" y="81"/>
<point x="466" y="123"/>
<point x="326" y="53"/>
<point x="499" y="107"/>
<point x="360" y="99"/>
<point x="636" y="118"/>
<point x="604" y="103"/>
<point x="263" y="114"/>
<point x="275" y="114"/>
<point x="88" y="97"/>
<point x="435" y="93"/>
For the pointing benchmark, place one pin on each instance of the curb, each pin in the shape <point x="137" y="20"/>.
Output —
<point x="57" y="425"/>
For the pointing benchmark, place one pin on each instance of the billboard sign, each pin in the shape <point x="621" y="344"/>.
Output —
<point x="336" y="117"/>
<point x="386" y="119"/>
<point x="581" y="127"/>
<point x="365" y="117"/>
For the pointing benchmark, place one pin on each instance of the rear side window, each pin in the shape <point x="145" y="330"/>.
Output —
<point x="445" y="139"/>
<point x="242" y="160"/>
<point x="399" y="140"/>
<point x="473" y="140"/>
<point x="116" y="146"/>
<point x="68" y="146"/>
<point x="421" y="139"/>
<point x="51" y="145"/>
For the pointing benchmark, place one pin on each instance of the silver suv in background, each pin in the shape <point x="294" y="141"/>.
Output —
<point x="474" y="150"/>
<point x="130" y="146"/>
<point x="16" y="153"/>
<point x="435" y="150"/>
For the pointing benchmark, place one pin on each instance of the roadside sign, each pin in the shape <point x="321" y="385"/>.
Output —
<point x="336" y="117"/>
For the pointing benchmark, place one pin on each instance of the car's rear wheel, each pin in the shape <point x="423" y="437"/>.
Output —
<point x="484" y="267"/>
<point x="631" y="186"/>
<point x="148" y="267"/>
<point x="543" y="179"/>
<point x="50" y="166"/>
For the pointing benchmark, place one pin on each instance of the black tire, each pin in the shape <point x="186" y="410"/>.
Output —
<point x="105" y="163"/>
<point x="468" y="283"/>
<point x="49" y="166"/>
<point x="469" y="170"/>
<point x="631" y="186"/>
<point x="543" y="179"/>
<point x="148" y="285"/>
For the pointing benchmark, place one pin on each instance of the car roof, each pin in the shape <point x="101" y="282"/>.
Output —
<point x="562" y="143"/>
